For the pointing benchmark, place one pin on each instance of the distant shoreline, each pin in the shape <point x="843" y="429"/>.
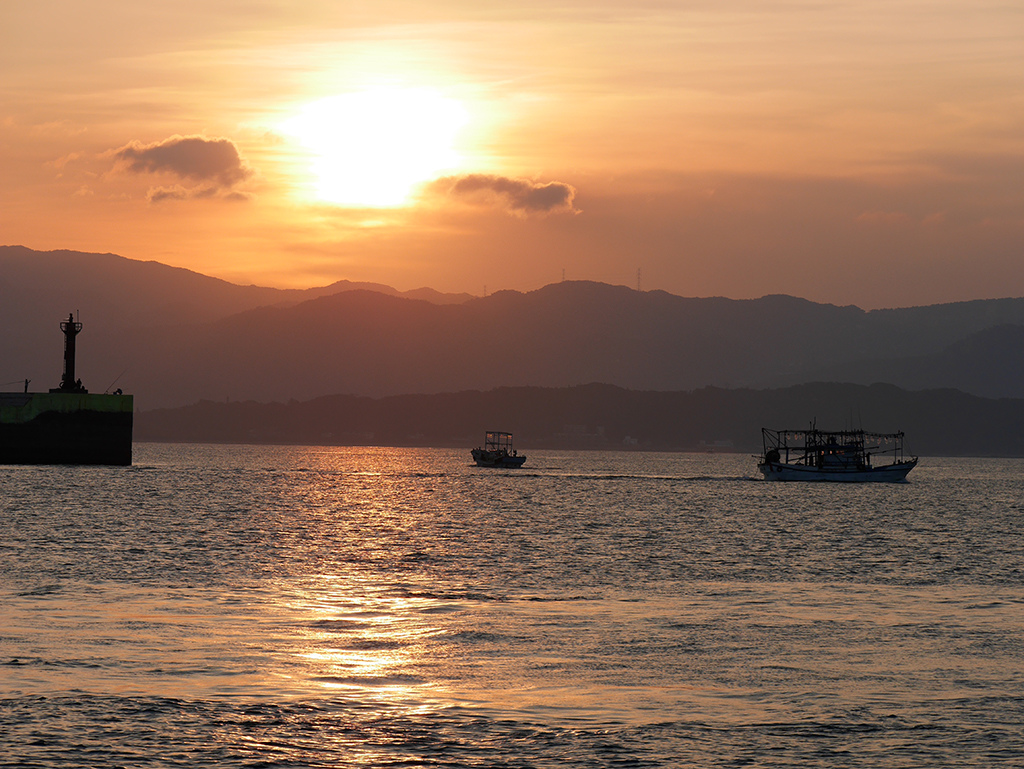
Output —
<point x="603" y="417"/>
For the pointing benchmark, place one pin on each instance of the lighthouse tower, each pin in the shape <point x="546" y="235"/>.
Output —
<point x="69" y="384"/>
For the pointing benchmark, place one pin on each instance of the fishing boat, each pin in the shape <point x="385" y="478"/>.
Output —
<point x="851" y="456"/>
<point x="497" y="451"/>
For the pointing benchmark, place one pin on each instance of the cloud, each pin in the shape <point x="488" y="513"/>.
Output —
<point x="899" y="219"/>
<point x="214" y="163"/>
<point x="885" y="218"/>
<point x="178" y="192"/>
<point x="517" y="196"/>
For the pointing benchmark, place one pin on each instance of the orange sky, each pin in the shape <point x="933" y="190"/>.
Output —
<point x="867" y="153"/>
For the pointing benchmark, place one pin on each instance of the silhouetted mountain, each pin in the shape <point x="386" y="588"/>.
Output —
<point x="172" y="336"/>
<point x="127" y="306"/>
<point x="936" y="422"/>
<point x="989" y="363"/>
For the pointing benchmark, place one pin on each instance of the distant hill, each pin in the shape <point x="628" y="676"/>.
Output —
<point x="936" y="422"/>
<point x="174" y="337"/>
<point x="989" y="362"/>
<point x="122" y="302"/>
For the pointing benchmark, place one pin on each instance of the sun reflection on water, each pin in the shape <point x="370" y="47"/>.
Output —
<point x="375" y="607"/>
<point x="355" y="638"/>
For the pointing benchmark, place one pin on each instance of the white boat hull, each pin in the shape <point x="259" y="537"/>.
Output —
<point x="894" y="473"/>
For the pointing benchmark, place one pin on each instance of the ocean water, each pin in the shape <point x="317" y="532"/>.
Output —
<point x="238" y="606"/>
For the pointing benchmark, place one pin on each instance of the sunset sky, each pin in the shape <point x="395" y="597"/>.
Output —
<point x="867" y="153"/>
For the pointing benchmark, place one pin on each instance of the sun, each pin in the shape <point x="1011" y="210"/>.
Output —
<point x="371" y="148"/>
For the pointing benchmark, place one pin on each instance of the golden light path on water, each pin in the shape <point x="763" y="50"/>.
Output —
<point x="358" y="644"/>
<point x="404" y="602"/>
<point x="331" y="637"/>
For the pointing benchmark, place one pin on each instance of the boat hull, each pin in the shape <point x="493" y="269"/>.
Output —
<point x="65" y="429"/>
<point x="894" y="473"/>
<point x="485" y="458"/>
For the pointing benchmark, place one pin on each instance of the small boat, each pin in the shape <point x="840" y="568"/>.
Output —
<point x="497" y="451"/>
<point x="851" y="456"/>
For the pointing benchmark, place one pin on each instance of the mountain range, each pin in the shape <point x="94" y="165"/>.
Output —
<point x="596" y="416"/>
<point x="175" y="337"/>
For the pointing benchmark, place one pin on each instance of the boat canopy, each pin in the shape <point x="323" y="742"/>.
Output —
<point x="831" y="447"/>
<point x="498" y="441"/>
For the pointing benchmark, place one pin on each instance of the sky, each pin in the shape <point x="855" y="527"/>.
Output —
<point x="867" y="153"/>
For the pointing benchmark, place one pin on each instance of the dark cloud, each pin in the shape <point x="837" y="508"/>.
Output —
<point x="518" y="196"/>
<point x="214" y="163"/>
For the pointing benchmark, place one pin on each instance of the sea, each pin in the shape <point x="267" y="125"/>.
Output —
<point x="282" y="606"/>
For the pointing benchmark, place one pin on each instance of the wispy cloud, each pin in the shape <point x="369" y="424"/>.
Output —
<point x="178" y="192"/>
<point x="520" y="197"/>
<point x="215" y="165"/>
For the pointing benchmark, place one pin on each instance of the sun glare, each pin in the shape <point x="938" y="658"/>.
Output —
<point x="371" y="148"/>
